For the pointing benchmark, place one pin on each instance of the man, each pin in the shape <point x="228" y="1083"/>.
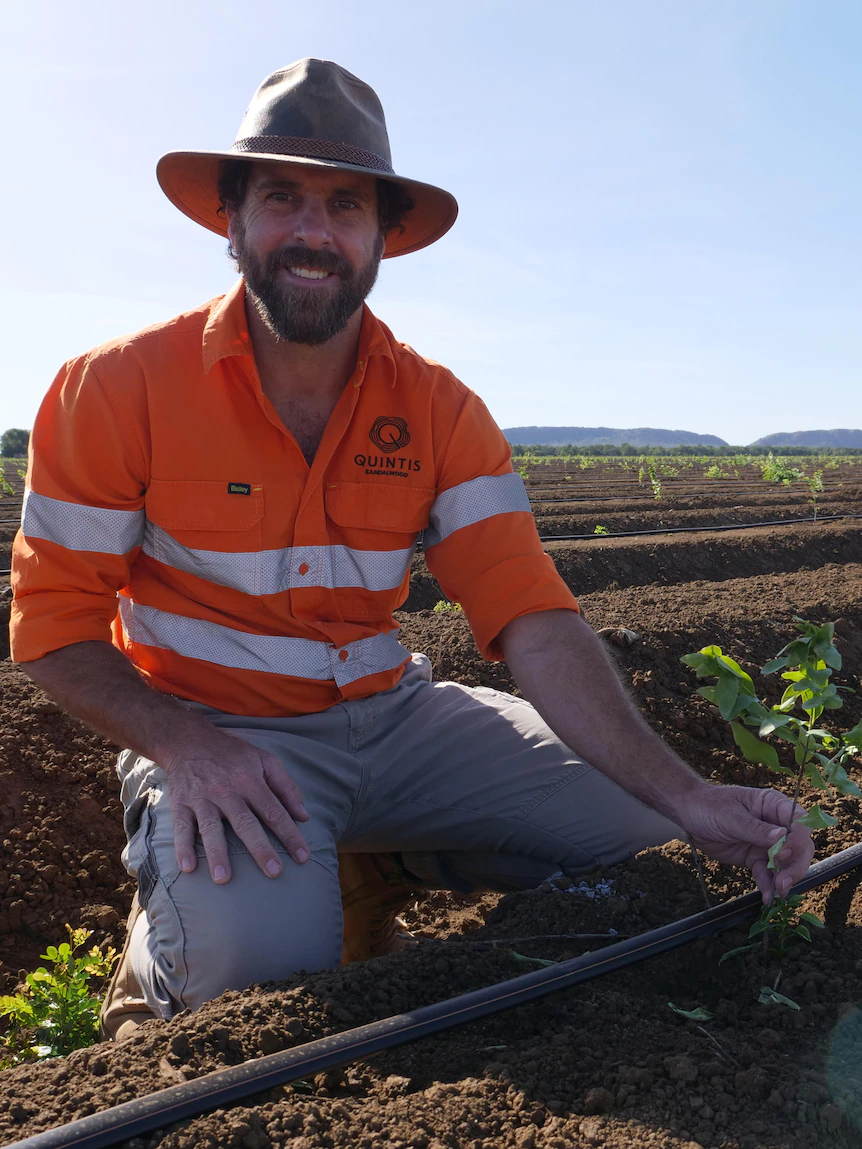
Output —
<point x="220" y="520"/>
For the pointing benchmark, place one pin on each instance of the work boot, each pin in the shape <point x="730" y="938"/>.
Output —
<point x="124" y="1008"/>
<point x="374" y="889"/>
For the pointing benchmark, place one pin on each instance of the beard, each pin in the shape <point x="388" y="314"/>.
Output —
<point x="294" y="314"/>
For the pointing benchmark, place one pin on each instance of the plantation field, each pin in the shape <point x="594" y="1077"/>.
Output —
<point x="605" y="1064"/>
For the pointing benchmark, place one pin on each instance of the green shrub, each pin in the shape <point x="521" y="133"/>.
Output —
<point x="55" y="1012"/>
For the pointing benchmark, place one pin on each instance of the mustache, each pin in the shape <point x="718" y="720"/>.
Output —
<point x="297" y="256"/>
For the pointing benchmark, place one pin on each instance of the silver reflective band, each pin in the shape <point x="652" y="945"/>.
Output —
<point x="472" y="502"/>
<point x="268" y="572"/>
<point x="271" y="654"/>
<point x="79" y="527"/>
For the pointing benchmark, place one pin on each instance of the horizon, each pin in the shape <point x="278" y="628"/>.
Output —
<point x="658" y="203"/>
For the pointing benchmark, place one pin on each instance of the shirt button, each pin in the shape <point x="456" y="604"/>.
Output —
<point x="303" y="568"/>
<point x="343" y="655"/>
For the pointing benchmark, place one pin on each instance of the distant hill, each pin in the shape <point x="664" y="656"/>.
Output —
<point x="587" y="436"/>
<point x="834" y="438"/>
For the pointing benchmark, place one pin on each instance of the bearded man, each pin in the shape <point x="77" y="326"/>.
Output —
<point x="220" y="520"/>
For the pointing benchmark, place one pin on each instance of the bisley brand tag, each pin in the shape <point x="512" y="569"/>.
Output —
<point x="239" y="488"/>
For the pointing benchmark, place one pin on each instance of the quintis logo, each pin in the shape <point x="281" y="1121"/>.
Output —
<point x="389" y="433"/>
<point x="391" y="436"/>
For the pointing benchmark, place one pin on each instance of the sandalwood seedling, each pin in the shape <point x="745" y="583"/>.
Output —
<point x="55" y="1012"/>
<point x="444" y="605"/>
<point x="820" y="756"/>
<point x="598" y="529"/>
<point x="779" y="471"/>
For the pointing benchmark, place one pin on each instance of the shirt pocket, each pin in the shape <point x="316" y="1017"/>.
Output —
<point x="200" y="528"/>
<point x="379" y="508"/>
<point x="382" y="520"/>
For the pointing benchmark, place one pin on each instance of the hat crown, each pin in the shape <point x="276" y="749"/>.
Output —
<point x="318" y="100"/>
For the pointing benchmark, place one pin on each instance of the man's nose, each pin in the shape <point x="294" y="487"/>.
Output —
<point x="311" y="224"/>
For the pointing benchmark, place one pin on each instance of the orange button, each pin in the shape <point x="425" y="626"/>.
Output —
<point x="303" y="568"/>
<point x="343" y="655"/>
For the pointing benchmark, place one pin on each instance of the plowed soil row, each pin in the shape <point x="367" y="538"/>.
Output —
<point x="597" y="564"/>
<point x="607" y="1064"/>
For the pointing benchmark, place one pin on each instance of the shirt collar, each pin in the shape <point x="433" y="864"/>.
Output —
<point x="226" y="332"/>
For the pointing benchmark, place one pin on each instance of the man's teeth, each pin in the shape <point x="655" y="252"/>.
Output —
<point x="309" y="273"/>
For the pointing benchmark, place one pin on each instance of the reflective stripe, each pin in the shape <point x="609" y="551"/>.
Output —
<point x="79" y="527"/>
<point x="268" y="572"/>
<point x="298" y="657"/>
<point x="474" y="501"/>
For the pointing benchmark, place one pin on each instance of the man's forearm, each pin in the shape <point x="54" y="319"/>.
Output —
<point x="561" y="667"/>
<point x="97" y="683"/>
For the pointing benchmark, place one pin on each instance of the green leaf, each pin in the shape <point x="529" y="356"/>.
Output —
<point x="734" y="952"/>
<point x="802" y="932"/>
<point x="816" y="819"/>
<point x="772" y="722"/>
<point x="773" y="851"/>
<point x="752" y="748"/>
<point x="534" y="961"/>
<point x="774" y="664"/>
<point x="854" y="737"/>
<point x="769" y="996"/>
<point x="812" y="920"/>
<point x="697" y="1014"/>
<point x="726" y="693"/>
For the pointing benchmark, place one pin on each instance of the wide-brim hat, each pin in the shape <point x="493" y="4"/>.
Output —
<point x="317" y="114"/>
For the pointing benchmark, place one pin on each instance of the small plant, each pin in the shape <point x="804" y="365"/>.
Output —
<point x="587" y="462"/>
<point x="815" y="486"/>
<point x="598" y="529"/>
<point x="445" y="605"/>
<point x="6" y="488"/>
<point x="779" y="471"/>
<point x="655" y="481"/>
<point x="819" y="755"/>
<point x="55" y="1012"/>
<point x="782" y="921"/>
<point x="715" y="472"/>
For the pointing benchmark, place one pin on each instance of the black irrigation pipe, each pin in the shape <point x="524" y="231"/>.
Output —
<point x="698" y="530"/>
<point x="224" y="1086"/>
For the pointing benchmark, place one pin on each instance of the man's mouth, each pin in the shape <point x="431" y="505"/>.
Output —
<point x="309" y="273"/>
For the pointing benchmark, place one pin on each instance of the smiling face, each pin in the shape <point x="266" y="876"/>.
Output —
<point x="308" y="243"/>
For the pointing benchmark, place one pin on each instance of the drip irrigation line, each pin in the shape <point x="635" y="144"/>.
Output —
<point x="224" y="1086"/>
<point x="699" y="530"/>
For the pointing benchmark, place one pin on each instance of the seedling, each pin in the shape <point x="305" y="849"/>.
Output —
<point x="779" y="471"/>
<point x="55" y="1013"/>
<point x="445" y="605"/>
<point x="815" y="486"/>
<point x="820" y="756"/>
<point x="782" y="921"/>
<point x="598" y="529"/>
<point x="715" y="472"/>
<point x="6" y="488"/>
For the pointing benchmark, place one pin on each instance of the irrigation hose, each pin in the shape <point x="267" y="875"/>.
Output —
<point x="224" y="1086"/>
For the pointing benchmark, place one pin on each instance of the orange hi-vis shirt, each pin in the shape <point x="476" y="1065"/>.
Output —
<point x="170" y="511"/>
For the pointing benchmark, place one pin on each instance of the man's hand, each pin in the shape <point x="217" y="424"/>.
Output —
<point x="738" y="825"/>
<point x="213" y="776"/>
<point x="225" y="778"/>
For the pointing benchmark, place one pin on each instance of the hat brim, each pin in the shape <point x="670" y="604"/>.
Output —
<point x="190" y="181"/>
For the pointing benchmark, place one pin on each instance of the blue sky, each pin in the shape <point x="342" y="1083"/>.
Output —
<point x="659" y="221"/>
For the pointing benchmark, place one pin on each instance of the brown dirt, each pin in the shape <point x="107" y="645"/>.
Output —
<point x="606" y="1064"/>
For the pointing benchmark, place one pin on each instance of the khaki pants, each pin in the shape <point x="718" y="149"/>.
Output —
<point x="467" y="784"/>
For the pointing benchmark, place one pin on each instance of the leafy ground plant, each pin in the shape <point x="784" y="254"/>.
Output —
<point x="56" y="1011"/>
<point x="820" y="756"/>
<point x="445" y="605"/>
<point x="598" y="529"/>
<point x="779" y="471"/>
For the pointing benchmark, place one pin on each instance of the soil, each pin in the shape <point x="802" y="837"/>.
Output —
<point x="606" y="1064"/>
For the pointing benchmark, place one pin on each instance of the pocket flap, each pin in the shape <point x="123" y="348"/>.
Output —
<point x="203" y="505"/>
<point x="378" y="506"/>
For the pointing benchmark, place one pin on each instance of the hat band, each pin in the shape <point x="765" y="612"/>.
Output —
<point x="303" y="148"/>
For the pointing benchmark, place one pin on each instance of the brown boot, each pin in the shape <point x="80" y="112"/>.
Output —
<point x="124" y="1008"/>
<point x="374" y="889"/>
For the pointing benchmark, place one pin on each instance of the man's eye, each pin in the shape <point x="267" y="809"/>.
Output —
<point x="279" y="197"/>
<point x="347" y="204"/>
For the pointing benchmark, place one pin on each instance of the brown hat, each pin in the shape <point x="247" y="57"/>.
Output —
<point x="317" y="114"/>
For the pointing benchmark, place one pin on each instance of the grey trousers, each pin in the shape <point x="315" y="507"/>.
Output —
<point x="468" y="784"/>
